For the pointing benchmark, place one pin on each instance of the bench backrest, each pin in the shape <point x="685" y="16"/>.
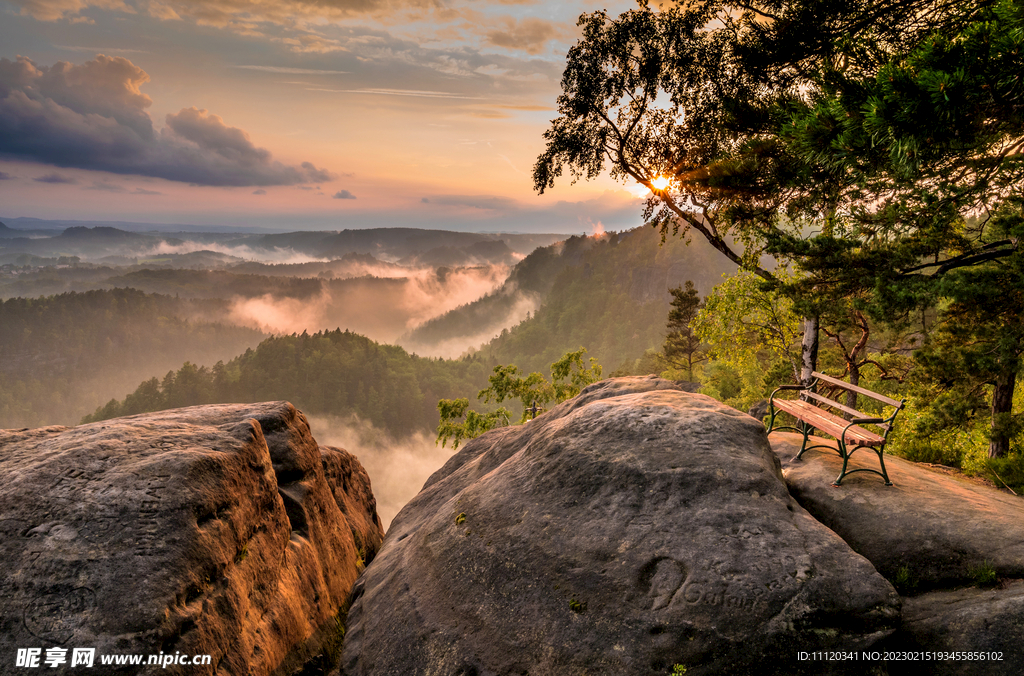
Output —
<point x="852" y="388"/>
<point x="859" y="390"/>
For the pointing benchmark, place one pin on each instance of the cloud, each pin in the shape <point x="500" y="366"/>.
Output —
<point x="344" y="195"/>
<point x="93" y="116"/>
<point x="293" y="71"/>
<point x="4" y="176"/>
<point x="52" y="10"/>
<point x="54" y="178"/>
<point x="143" y="191"/>
<point x="261" y="191"/>
<point x="530" y="34"/>
<point x="221" y="13"/>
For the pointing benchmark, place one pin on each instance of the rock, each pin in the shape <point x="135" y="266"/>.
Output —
<point x="929" y="530"/>
<point x="758" y="410"/>
<point x="687" y="386"/>
<point x="212" y="530"/>
<point x="987" y="621"/>
<point x="625" y="531"/>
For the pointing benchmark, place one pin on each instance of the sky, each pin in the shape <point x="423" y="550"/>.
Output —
<point x="292" y="114"/>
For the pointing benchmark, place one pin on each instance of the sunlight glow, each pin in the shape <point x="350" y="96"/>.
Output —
<point x="660" y="182"/>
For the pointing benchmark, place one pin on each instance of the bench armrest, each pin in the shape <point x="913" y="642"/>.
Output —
<point x="790" y="387"/>
<point x="857" y="421"/>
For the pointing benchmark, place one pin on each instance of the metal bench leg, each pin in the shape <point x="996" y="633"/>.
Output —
<point x="805" y="428"/>
<point x="881" y="461"/>
<point x="841" y="445"/>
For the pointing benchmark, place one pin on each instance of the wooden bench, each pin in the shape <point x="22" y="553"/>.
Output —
<point x="849" y="434"/>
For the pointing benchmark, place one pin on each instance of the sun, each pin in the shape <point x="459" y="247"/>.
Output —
<point x="660" y="183"/>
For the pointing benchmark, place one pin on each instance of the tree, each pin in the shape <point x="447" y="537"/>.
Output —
<point x="569" y="375"/>
<point x="855" y="138"/>
<point x="741" y="320"/>
<point x="980" y="339"/>
<point x="682" y="346"/>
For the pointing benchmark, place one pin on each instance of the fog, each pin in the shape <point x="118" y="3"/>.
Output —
<point x="380" y="308"/>
<point x="397" y="469"/>
<point x="275" y="255"/>
<point x="458" y="345"/>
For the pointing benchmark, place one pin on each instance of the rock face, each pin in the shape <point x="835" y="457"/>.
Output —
<point x="930" y="533"/>
<point x="625" y="531"/>
<point x="213" y="530"/>
<point x="936" y="528"/>
<point x="989" y="621"/>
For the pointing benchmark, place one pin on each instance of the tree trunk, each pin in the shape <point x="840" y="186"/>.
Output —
<point x="809" y="350"/>
<point x="1002" y="406"/>
<point x="851" y="396"/>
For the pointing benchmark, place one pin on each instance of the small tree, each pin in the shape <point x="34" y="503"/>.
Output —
<point x="569" y="375"/>
<point x="683" y="348"/>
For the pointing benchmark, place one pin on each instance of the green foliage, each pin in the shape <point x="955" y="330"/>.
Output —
<point x="905" y="581"/>
<point x="678" y="669"/>
<point x="577" y="606"/>
<point x="569" y="375"/>
<point x="741" y="321"/>
<point x="682" y="347"/>
<point x="752" y="335"/>
<point x="475" y="423"/>
<point x="983" y="574"/>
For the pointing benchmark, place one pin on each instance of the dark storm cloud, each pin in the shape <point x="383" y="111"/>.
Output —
<point x="93" y="116"/>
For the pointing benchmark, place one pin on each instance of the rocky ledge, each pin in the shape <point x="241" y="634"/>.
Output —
<point x="214" y="530"/>
<point x="627" y="531"/>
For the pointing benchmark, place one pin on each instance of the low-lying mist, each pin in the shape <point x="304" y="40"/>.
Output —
<point x="458" y="344"/>
<point x="397" y="469"/>
<point x="380" y="308"/>
<point x="264" y="255"/>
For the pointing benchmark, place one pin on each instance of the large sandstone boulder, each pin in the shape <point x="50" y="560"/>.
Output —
<point x="929" y="529"/>
<point x="628" y="530"/>
<point x="213" y="530"/>
<point x="986" y="626"/>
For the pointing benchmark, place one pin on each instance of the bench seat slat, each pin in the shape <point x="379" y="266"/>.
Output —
<point x="859" y="390"/>
<point x="829" y="423"/>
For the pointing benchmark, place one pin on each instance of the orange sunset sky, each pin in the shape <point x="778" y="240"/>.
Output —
<point x="301" y="114"/>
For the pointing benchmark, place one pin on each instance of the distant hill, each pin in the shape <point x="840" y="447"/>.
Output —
<point x="398" y="243"/>
<point x="62" y="356"/>
<point x="607" y="293"/>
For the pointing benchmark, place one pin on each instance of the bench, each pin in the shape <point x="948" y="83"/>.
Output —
<point x="849" y="434"/>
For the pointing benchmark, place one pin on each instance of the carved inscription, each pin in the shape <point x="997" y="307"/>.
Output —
<point x="55" y="616"/>
<point x="148" y="525"/>
<point x="729" y="581"/>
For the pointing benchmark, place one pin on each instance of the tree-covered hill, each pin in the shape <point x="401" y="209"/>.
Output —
<point x="61" y="356"/>
<point x="333" y="372"/>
